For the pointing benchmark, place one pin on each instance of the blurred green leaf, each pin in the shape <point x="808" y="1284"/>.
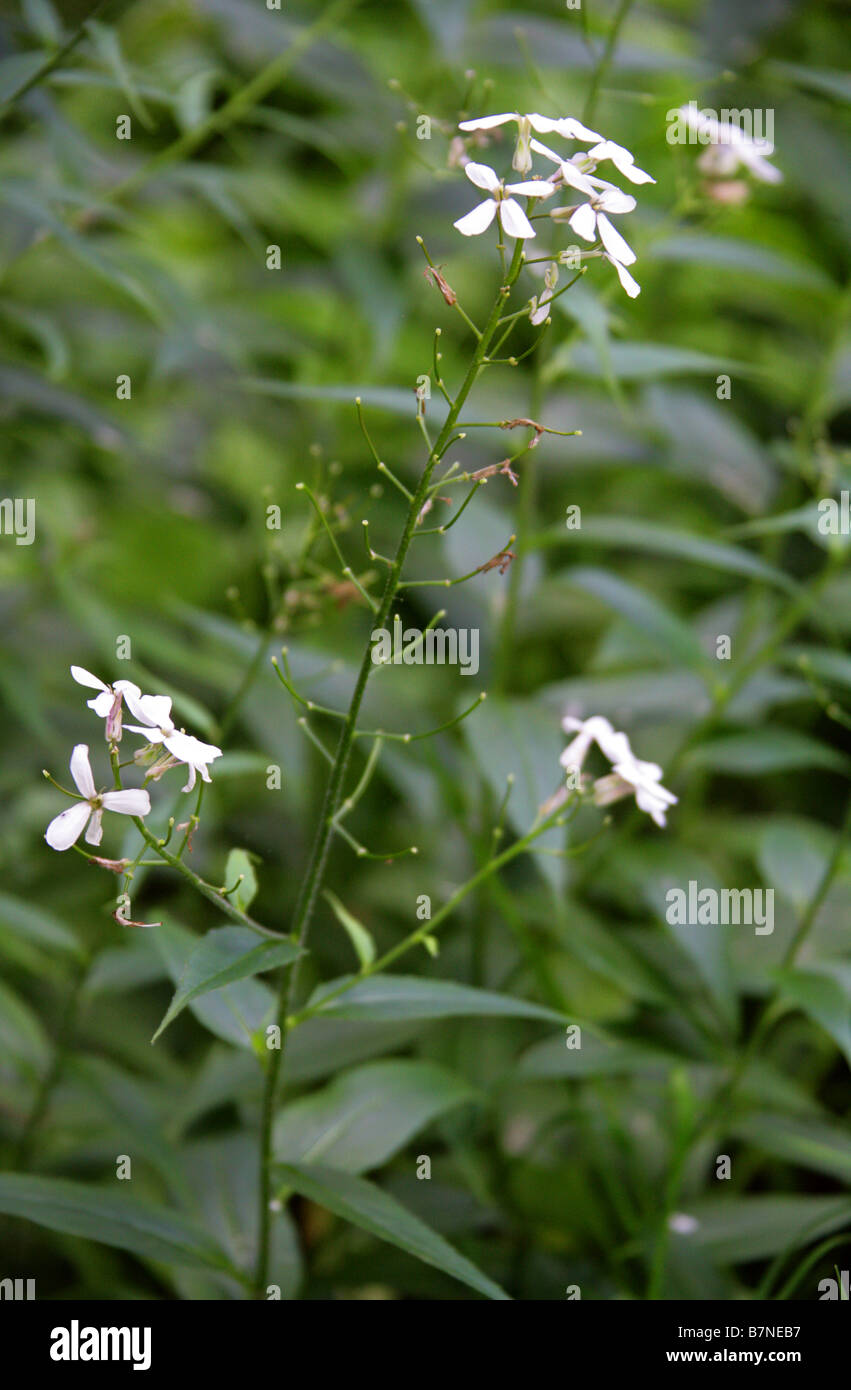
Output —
<point x="823" y="990"/>
<point x="363" y="1117"/>
<point x="735" y="1229"/>
<point x="399" y="997"/>
<point x="365" y="1205"/>
<point x="93" y="1213"/>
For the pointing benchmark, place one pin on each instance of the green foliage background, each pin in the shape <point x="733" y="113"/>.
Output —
<point x="147" y="257"/>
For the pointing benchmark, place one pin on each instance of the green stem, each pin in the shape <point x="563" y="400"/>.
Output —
<point x="206" y="889"/>
<point x="416" y="937"/>
<point x="325" y="829"/>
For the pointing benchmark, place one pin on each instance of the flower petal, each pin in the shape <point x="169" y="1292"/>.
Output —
<point x="477" y="221"/>
<point x="622" y="159"/>
<point x="127" y="688"/>
<point x="152" y="735"/>
<point x="572" y="129"/>
<point x="84" y="677"/>
<point x="102" y="703"/>
<point x="544" y="125"/>
<point x="154" y="710"/>
<point x="584" y="222"/>
<point x="611" y="199"/>
<point x="482" y="175"/>
<point x="66" y="828"/>
<point x="532" y="188"/>
<point x="488" y="122"/>
<point x="759" y="167"/>
<point x="576" y="179"/>
<point x="614" y="243"/>
<point x="631" y="286"/>
<point x="514" y="220"/>
<point x="81" y="770"/>
<point x="132" y="802"/>
<point x="545" y="150"/>
<point x="191" y="750"/>
<point x="94" y="833"/>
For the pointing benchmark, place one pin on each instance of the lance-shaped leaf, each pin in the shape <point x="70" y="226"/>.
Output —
<point x="240" y="867"/>
<point x="93" y="1213"/>
<point x="369" y="1207"/>
<point x="224" y="955"/>
<point x="400" y="997"/>
<point x="362" y="1118"/>
<point x="356" y="932"/>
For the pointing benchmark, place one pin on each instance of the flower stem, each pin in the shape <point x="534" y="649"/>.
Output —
<point x="333" y="792"/>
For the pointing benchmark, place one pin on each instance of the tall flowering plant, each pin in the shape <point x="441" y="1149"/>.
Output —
<point x="566" y="187"/>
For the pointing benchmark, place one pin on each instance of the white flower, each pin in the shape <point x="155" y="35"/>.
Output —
<point x="590" y="221"/>
<point x="66" y="828"/>
<point x="597" y="729"/>
<point x="629" y="775"/>
<point x="155" y="713"/>
<point x="514" y="220"/>
<point x="730" y="146"/>
<point x="544" y="125"/>
<point x="540" y="304"/>
<point x="106" y="705"/>
<point x="622" y="159"/>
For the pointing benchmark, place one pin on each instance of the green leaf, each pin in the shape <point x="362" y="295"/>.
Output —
<point x="599" y="1055"/>
<point x="831" y="82"/>
<point x="367" y="1206"/>
<point x="93" y="1213"/>
<point x="792" y="861"/>
<point x="37" y="924"/>
<point x="829" y="665"/>
<point x="762" y="751"/>
<point x="109" y="49"/>
<point x="669" y="634"/>
<point x="736" y="1229"/>
<point x="363" y="1117"/>
<point x="728" y="253"/>
<point x="16" y="71"/>
<point x="809" y="1143"/>
<point x="647" y="536"/>
<point x="236" y="1011"/>
<point x="519" y="739"/>
<point x="357" y="933"/>
<point x="823" y="991"/>
<point x="401" y="997"/>
<point x="641" y="361"/>
<point x="223" y="956"/>
<point x="240" y="865"/>
<point x="22" y="1037"/>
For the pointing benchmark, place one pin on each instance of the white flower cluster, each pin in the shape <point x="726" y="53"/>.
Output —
<point x="629" y="775"/>
<point x="589" y="218"/>
<point x="155" y="722"/>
